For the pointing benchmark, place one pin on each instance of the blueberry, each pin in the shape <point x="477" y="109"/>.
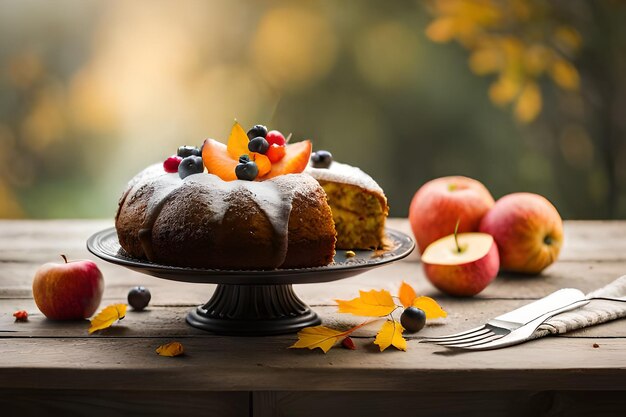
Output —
<point x="185" y="151"/>
<point x="259" y="145"/>
<point x="321" y="159"/>
<point x="139" y="297"/>
<point x="413" y="319"/>
<point x="247" y="170"/>
<point x="256" y="131"/>
<point x="244" y="158"/>
<point x="190" y="165"/>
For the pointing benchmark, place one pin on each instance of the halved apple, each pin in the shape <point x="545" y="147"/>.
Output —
<point x="462" y="265"/>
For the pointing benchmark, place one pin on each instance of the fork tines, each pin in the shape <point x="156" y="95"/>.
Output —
<point x="469" y="338"/>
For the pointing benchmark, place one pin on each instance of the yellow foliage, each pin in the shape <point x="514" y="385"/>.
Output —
<point x="371" y="304"/>
<point x="317" y="337"/>
<point x="170" y="349"/>
<point x="528" y="103"/>
<point x="432" y="309"/>
<point x="406" y="294"/>
<point x="107" y="317"/>
<point x="390" y="335"/>
<point x="565" y="75"/>
<point x="518" y="40"/>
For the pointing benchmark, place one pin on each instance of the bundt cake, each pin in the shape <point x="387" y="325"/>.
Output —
<point x="203" y="221"/>
<point x="358" y="204"/>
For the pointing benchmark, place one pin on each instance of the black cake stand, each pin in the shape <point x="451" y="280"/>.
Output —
<point x="254" y="303"/>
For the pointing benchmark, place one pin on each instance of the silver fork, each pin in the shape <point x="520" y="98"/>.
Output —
<point x="520" y="320"/>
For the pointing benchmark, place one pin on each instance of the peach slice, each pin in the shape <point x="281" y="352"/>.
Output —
<point x="263" y="162"/>
<point x="217" y="160"/>
<point x="295" y="160"/>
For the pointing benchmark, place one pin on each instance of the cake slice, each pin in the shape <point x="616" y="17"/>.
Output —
<point x="358" y="204"/>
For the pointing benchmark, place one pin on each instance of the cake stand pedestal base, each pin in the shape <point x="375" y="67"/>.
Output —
<point x="253" y="310"/>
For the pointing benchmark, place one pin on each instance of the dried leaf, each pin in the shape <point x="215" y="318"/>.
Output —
<point x="406" y="294"/>
<point x="21" y="315"/>
<point x="317" y="337"/>
<point x="371" y="303"/>
<point x="390" y="334"/>
<point x="170" y="349"/>
<point x="432" y="309"/>
<point x="107" y="317"/>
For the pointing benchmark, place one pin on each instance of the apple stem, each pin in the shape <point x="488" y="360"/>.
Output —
<point x="64" y="258"/>
<point x="456" y="239"/>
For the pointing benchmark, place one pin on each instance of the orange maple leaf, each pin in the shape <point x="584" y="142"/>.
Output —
<point x="409" y="298"/>
<point x="371" y="304"/>
<point x="322" y="337"/>
<point x="406" y="294"/>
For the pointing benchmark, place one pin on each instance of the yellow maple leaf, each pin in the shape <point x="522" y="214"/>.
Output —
<point x="390" y="334"/>
<point x="107" y="316"/>
<point x="432" y="309"/>
<point x="370" y="303"/>
<point x="317" y="337"/>
<point x="170" y="349"/>
<point x="406" y="294"/>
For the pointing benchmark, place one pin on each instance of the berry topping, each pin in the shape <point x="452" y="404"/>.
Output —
<point x="275" y="153"/>
<point x="244" y="158"/>
<point x="275" y="137"/>
<point x="256" y="131"/>
<point x="259" y="145"/>
<point x="247" y="171"/>
<point x="171" y="164"/>
<point x="413" y="319"/>
<point x="321" y="159"/>
<point x="139" y="297"/>
<point x="190" y="165"/>
<point x="185" y="151"/>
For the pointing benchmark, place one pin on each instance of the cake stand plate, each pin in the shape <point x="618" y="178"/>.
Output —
<point x="255" y="302"/>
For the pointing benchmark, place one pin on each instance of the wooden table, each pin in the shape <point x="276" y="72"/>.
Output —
<point x="50" y="366"/>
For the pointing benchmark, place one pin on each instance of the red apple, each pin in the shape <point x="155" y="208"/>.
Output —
<point x="528" y="231"/>
<point x="464" y="268"/>
<point x="68" y="291"/>
<point x="440" y="203"/>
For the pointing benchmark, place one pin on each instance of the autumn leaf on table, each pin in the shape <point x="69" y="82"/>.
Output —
<point x="170" y="349"/>
<point x="370" y="303"/>
<point x="409" y="298"/>
<point x="390" y="335"/>
<point x="317" y="337"/>
<point x="107" y="317"/>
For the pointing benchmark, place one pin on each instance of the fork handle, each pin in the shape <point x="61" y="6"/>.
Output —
<point x="536" y="309"/>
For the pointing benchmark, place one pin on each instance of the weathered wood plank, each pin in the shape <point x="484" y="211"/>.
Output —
<point x="106" y="402"/>
<point x="429" y="404"/>
<point x="252" y="364"/>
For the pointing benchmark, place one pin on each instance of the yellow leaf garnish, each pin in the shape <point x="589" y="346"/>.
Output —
<point x="406" y="294"/>
<point x="107" y="317"/>
<point x="237" y="142"/>
<point x="432" y="309"/>
<point x="170" y="349"/>
<point x="371" y="303"/>
<point x="390" y="335"/>
<point x="317" y="337"/>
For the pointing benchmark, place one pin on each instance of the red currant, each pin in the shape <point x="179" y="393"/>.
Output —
<point x="171" y="164"/>
<point x="275" y="137"/>
<point x="275" y="153"/>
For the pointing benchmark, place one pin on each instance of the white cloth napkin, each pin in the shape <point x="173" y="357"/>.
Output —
<point x="596" y="312"/>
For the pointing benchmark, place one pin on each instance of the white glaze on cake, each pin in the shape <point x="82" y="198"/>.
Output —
<point x="273" y="197"/>
<point x="345" y="174"/>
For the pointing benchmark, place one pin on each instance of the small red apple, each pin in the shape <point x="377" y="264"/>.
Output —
<point x="528" y="230"/>
<point x="68" y="291"/>
<point x="462" y="265"/>
<point x="440" y="203"/>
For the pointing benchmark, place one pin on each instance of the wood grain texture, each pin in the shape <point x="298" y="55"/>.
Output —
<point x="56" y="364"/>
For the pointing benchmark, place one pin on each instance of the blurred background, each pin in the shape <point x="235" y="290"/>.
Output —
<point x="523" y="95"/>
